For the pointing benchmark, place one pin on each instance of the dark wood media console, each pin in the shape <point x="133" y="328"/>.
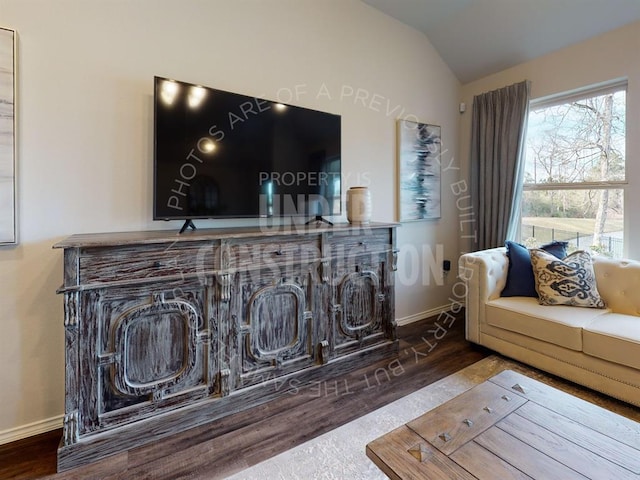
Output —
<point x="165" y="332"/>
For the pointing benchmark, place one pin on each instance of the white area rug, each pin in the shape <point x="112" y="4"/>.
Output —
<point x="340" y="453"/>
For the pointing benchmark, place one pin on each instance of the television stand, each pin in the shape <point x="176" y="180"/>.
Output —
<point x="187" y="224"/>
<point x="319" y="219"/>
<point x="164" y="334"/>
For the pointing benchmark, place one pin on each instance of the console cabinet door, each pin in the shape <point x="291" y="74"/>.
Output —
<point x="145" y="350"/>
<point x="359" y="295"/>
<point x="271" y="324"/>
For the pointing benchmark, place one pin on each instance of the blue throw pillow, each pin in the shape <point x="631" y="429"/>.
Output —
<point x="520" y="279"/>
<point x="556" y="248"/>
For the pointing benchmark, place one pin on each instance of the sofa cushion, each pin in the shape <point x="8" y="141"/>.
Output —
<point x="565" y="282"/>
<point x="520" y="280"/>
<point x="560" y="325"/>
<point x="619" y="284"/>
<point x="614" y="337"/>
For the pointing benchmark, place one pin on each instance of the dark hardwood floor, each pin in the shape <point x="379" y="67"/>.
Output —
<point x="429" y="350"/>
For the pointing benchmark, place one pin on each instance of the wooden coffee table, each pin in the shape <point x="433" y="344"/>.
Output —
<point x="512" y="426"/>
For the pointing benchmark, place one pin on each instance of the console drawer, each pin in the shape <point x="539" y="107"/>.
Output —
<point x="113" y="264"/>
<point x="360" y="242"/>
<point x="279" y="251"/>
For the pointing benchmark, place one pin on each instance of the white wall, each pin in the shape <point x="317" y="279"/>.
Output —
<point x="600" y="59"/>
<point x="85" y="137"/>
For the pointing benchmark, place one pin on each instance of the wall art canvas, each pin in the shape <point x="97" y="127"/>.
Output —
<point x="419" y="149"/>
<point x="7" y="137"/>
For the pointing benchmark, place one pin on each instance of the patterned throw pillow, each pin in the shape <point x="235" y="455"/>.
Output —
<point x="565" y="282"/>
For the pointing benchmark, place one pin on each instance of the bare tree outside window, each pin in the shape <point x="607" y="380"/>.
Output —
<point x="575" y="172"/>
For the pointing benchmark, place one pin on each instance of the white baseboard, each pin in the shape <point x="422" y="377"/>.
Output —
<point x="422" y="315"/>
<point x="35" y="428"/>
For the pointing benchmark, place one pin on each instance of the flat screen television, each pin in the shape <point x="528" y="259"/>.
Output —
<point x="219" y="154"/>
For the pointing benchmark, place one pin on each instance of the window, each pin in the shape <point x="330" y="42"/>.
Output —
<point x="574" y="179"/>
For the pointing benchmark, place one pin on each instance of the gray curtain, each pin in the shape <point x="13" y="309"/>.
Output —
<point x="497" y="164"/>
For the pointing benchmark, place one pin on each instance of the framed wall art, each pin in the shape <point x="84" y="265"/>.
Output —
<point x="419" y="149"/>
<point x="8" y="233"/>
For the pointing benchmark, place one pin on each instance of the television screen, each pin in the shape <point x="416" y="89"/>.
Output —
<point x="220" y="154"/>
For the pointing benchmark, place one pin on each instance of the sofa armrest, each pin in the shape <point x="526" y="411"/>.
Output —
<point x="484" y="274"/>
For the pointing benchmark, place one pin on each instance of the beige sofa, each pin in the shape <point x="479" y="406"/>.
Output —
<point x="598" y="348"/>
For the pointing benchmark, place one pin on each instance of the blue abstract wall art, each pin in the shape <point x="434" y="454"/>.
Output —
<point x="418" y="171"/>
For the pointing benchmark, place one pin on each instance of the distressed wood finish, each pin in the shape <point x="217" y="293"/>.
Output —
<point x="362" y="290"/>
<point x="164" y="332"/>
<point x="100" y="265"/>
<point x="512" y="426"/>
<point x="211" y="450"/>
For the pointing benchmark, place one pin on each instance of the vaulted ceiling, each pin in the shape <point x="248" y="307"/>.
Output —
<point x="480" y="37"/>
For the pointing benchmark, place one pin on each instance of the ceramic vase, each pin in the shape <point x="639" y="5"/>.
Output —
<point x="359" y="205"/>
